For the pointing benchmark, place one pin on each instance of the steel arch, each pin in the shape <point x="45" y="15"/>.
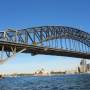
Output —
<point x="53" y="32"/>
<point x="31" y="40"/>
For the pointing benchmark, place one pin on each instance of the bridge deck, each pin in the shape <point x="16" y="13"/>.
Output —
<point x="42" y="50"/>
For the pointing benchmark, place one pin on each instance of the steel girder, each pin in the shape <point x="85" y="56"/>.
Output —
<point x="38" y="35"/>
<point x="31" y="40"/>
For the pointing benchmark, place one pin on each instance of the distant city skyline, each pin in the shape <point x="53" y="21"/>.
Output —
<point x="19" y="14"/>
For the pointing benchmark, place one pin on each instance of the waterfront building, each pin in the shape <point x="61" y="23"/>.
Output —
<point x="41" y="72"/>
<point x="57" y="72"/>
<point x="83" y="66"/>
<point x="88" y="67"/>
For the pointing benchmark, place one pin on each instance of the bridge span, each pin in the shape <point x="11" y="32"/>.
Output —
<point x="48" y="40"/>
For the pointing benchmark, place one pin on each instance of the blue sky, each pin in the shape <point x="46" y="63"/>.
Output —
<point x="19" y="14"/>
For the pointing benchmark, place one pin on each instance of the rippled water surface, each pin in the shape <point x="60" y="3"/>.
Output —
<point x="64" y="82"/>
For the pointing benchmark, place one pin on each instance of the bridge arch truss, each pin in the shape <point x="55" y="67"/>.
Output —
<point x="53" y="40"/>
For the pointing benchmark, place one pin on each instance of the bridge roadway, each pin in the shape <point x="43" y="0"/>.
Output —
<point x="34" y="50"/>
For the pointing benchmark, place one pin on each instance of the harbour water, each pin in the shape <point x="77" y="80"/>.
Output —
<point x="63" y="82"/>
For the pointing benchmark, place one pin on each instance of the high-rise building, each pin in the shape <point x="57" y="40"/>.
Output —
<point x="88" y="67"/>
<point x="83" y="66"/>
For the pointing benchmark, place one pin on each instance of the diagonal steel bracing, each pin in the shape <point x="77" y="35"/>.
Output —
<point x="49" y="40"/>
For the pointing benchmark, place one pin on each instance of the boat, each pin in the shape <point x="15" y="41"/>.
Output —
<point x="1" y="77"/>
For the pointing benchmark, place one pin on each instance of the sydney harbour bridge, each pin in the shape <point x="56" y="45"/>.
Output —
<point x="47" y="40"/>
